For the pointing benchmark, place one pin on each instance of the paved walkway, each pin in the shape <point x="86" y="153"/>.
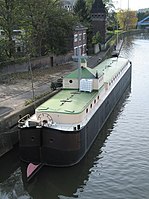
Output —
<point x="14" y="96"/>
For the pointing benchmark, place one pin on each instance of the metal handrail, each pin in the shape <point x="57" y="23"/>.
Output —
<point x="23" y="119"/>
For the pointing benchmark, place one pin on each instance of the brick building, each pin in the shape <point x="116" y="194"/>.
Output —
<point x="80" y="40"/>
<point x="98" y="18"/>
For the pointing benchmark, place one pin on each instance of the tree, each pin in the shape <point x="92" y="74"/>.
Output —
<point x="112" y="21"/>
<point x="82" y="11"/>
<point x="96" y="38"/>
<point x="34" y="14"/>
<point x="109" y="5"/>
<point x="127" y="19"/>
<point x="3" y="55"/>
<point x="47" y="26"/>
<point x="60" y="30"/>
<point x="8" y="20"/>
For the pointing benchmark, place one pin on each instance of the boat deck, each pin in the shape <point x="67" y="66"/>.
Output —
<point x="111" y="67"/>
<point x="71" y="101"/>
<point x="67" y="102"/>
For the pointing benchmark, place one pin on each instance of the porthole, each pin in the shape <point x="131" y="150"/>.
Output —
<point x="87" y="110"/>
<point x="51" y="140"/>
<point x="74" y="128"/>
<point x="70" y="81"/>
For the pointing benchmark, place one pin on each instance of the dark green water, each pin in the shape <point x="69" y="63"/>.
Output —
<point x="116" y="167"/>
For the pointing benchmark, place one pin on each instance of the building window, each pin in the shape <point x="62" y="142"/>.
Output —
<point x="80" y="37"/>
<point x="75" y="38"/>
<point x="91" y="106"/>
<point x="87" y="110"/>
<point x="84" y="49"/>
<point x="84" y="36"/>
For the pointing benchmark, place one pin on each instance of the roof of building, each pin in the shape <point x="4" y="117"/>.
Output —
<point x="144" y="21"/>
<point x="65" y="2"/>
<point x="98" y="7"/>
<point x="79" y="26"/>
<point x="85" y="74"/>
<point x="66" y="102"/>
<point x="143" y="10"/>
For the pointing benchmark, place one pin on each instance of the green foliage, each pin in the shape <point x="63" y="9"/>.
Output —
<point x="127" y="19"/>
<point x="89" y="4"/>
<point x="2" y="50"/>
<point x="82" y="11"/>
<point x="112" y="21"/>
<point x="59" y="31"/>
<point x="8" y="20"/>
<point x="96" y="38"/>
<point x="46" y="27"/>
<point x="109" y="5"/>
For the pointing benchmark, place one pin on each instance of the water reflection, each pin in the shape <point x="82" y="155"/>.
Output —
<point x="129" y="44"/>
<point x="8" y="164"/>
<point x="59" y="182"/>
<point x="11" y="185"/>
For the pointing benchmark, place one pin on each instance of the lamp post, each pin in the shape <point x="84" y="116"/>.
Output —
<point x="31" y="72"/>
<point x="127" y="25"/>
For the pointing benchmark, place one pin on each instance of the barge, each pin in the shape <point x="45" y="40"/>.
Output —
<point x="64" y="127"/>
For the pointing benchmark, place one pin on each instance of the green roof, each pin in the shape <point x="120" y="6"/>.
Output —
<point x="73" y="102"/>
<point x="83" y="60"/>
<point x="109" y="67"/>
<point x="66" y="101"/>
<point x="85" y="74"/>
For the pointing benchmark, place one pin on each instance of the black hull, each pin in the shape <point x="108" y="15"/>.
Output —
<point x="63" y="148"/>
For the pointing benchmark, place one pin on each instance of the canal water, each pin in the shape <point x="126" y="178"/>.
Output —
<point x="116" y="167"/>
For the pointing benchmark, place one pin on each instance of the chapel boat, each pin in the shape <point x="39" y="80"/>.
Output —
<point x="64" y="127"/>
